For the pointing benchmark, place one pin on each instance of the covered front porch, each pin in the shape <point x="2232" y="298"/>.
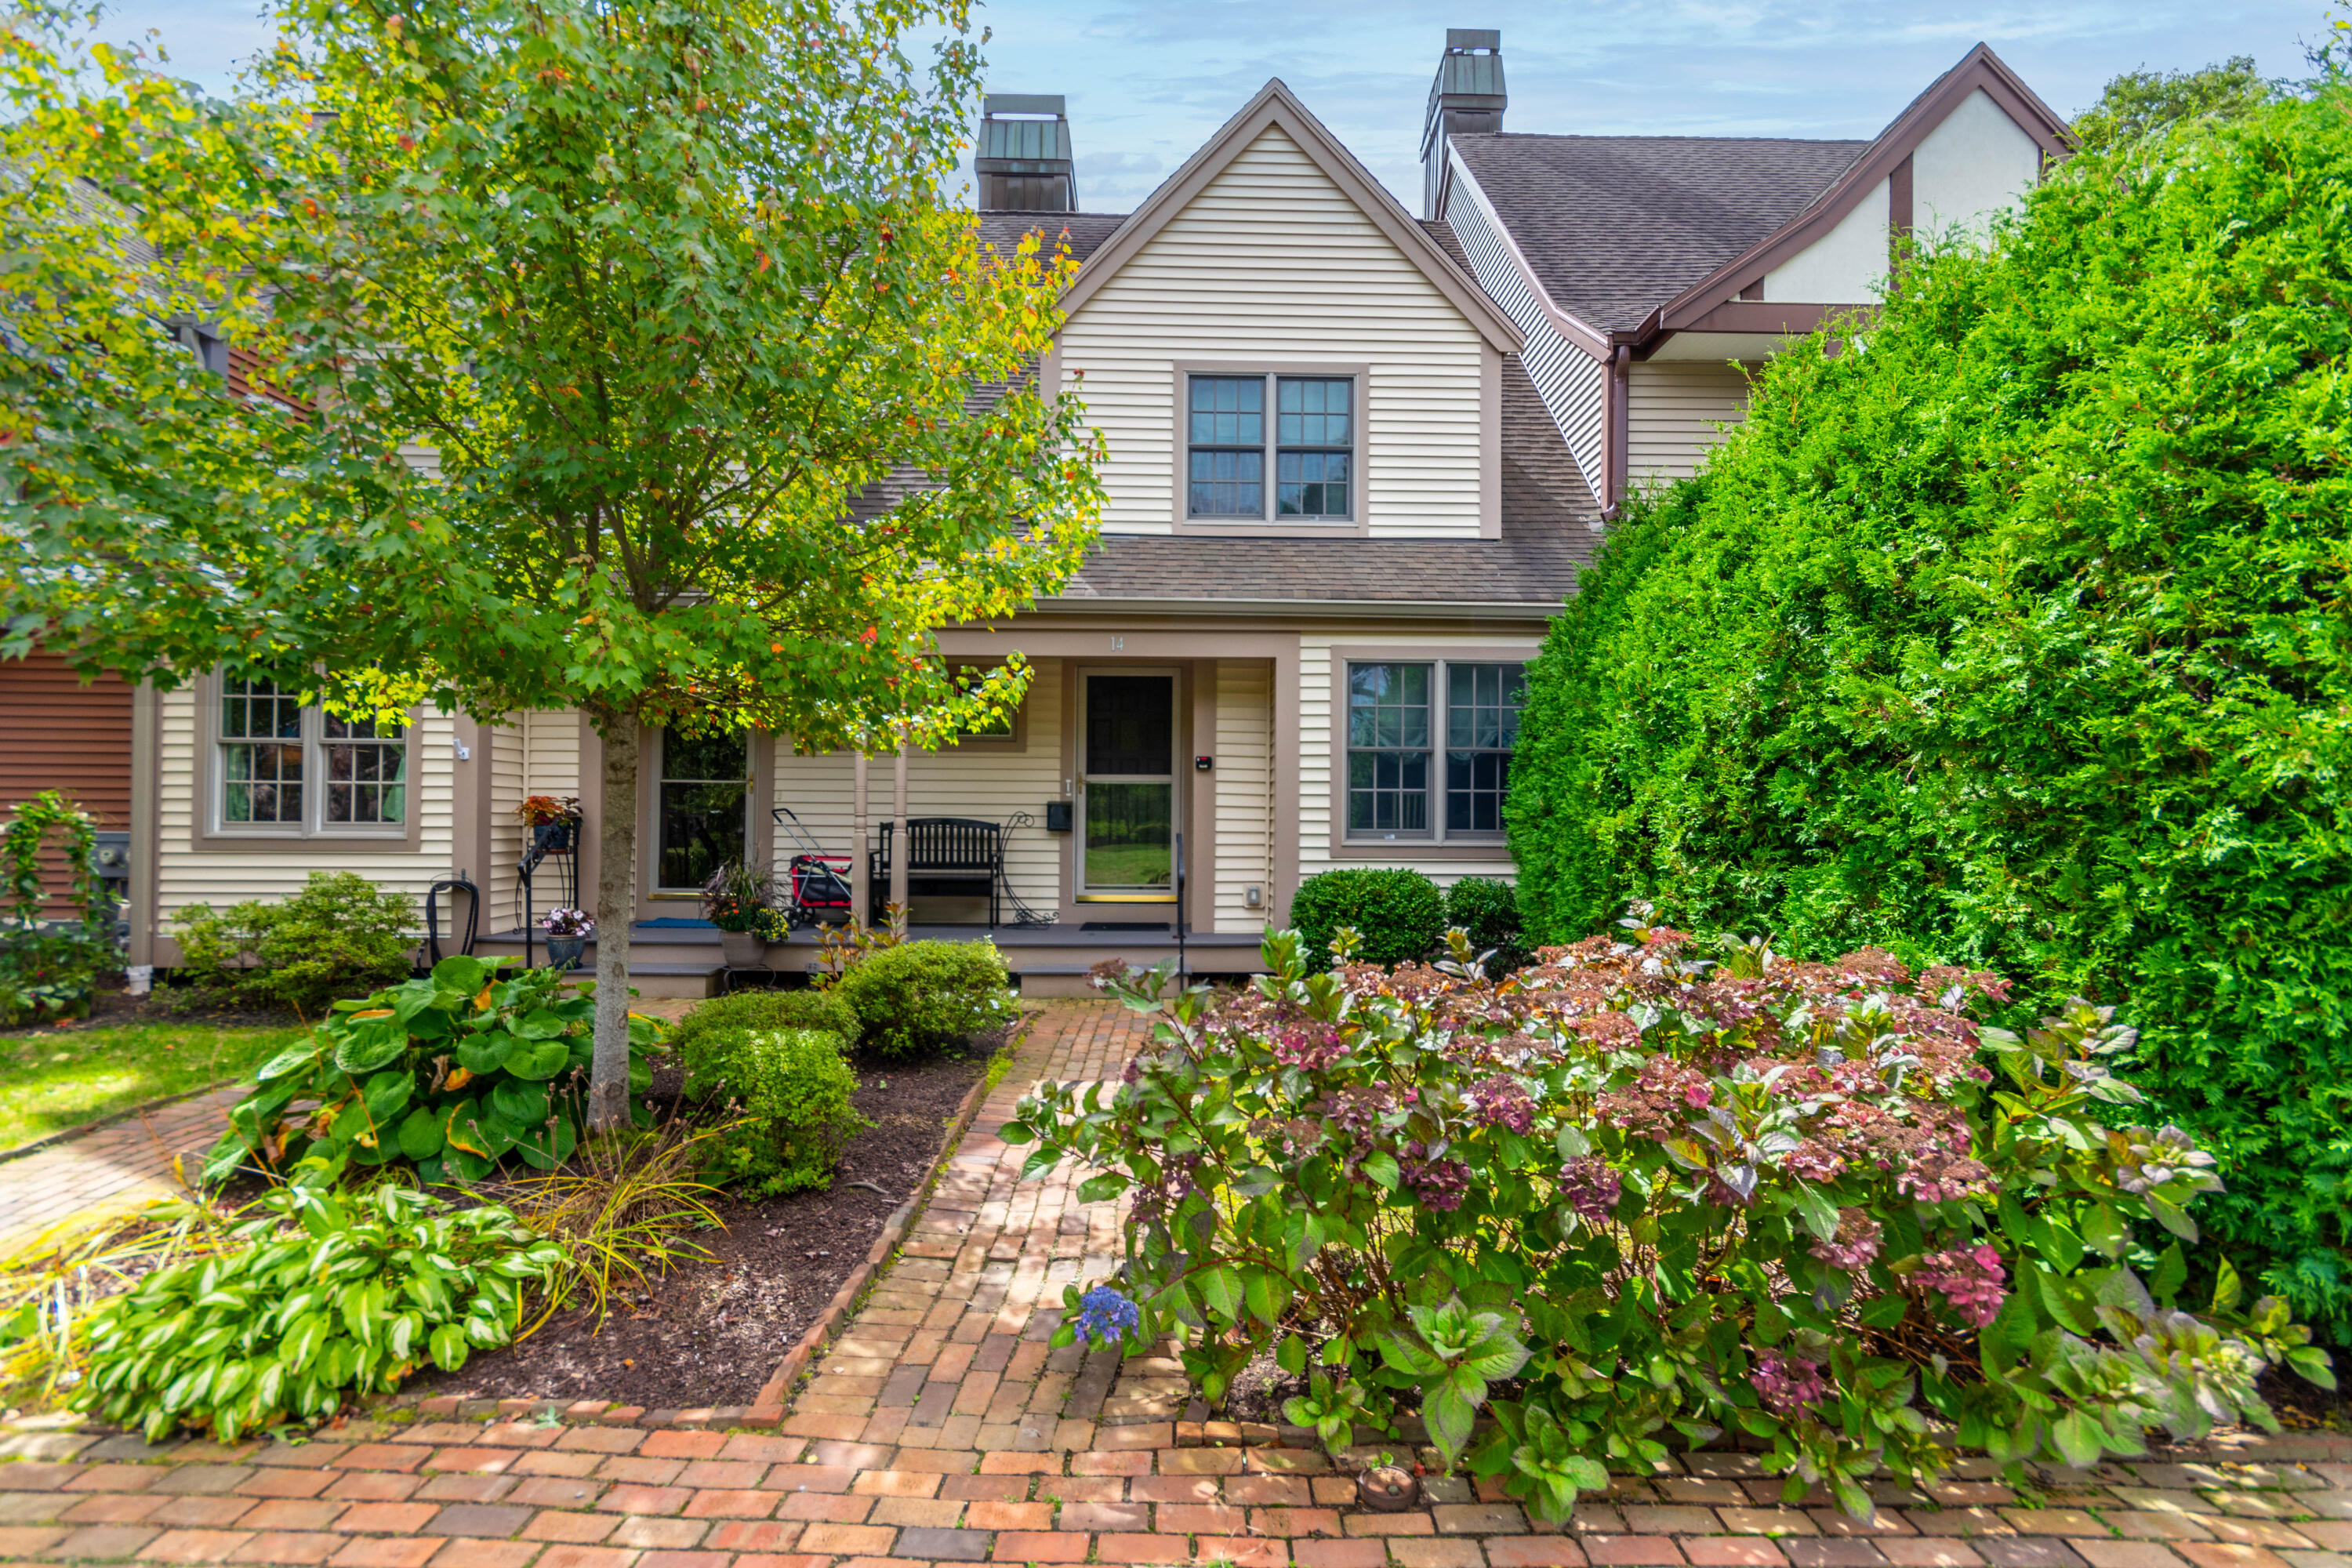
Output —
<point x="669" y="959"/>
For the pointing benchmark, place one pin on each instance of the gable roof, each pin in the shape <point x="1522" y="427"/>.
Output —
<point x="1979" y="69"/>
<point x="1614" y="226"/>
<point x="1276" y="105"/>
<point x="1635" y="234"/>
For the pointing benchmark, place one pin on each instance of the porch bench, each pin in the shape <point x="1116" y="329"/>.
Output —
<point x="945" y="856"/>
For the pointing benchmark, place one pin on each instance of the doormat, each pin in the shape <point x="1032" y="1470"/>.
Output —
<point x="675" y="922"/>
<point x="1125" y="925"/>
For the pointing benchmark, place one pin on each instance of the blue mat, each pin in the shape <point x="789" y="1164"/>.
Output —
<point x="678" y="923"/>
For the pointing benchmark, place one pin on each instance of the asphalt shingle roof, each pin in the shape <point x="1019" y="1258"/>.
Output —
<point x="1087" y="231"/>
<point x="1616" y="225"/>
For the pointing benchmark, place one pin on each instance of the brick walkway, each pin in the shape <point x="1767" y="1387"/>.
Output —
<point x="942" y="1429"/>
<point x="119" y="1166"/>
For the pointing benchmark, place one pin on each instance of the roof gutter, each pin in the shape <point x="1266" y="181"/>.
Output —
<point x="1314" y="609"/>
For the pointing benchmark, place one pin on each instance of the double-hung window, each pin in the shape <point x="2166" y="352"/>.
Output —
<point x="282" y="770"/>
<point x="1429" y="748"/>
<point x="1307" y="447"/>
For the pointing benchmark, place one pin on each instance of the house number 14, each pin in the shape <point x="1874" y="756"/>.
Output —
<point x="1118" y="643"/>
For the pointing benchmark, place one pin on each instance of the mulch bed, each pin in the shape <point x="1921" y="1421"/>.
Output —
<point x="710" y="1334"/>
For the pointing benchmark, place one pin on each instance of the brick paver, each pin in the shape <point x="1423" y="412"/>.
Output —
<point x="113" y="1168"/>
<point x="941" y="1427"/>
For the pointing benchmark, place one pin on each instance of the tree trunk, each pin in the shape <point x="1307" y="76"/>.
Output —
<point x="617" y="843"/>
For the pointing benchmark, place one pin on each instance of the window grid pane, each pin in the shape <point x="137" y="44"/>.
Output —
<point x="261" y="755"/>
<point x="1482" y="725"/>
<point x="1387" y="748"/>
<point x="1311" y="412"/>
<point x="1225" y="432"/>
<point x="366" y="767"/>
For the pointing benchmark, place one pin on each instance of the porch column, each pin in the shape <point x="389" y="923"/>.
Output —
<point x="899" y="826"/>
<point x="861" y="876"/>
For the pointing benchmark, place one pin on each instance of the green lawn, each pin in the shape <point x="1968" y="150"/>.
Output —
<point x="62" y="1078"/>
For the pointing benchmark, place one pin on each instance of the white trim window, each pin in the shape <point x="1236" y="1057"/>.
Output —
<point x="1429" y="747"/>
<point x="282" y="770"/>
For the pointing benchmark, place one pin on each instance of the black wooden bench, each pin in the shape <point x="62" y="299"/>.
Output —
<point x="945" y="856"/>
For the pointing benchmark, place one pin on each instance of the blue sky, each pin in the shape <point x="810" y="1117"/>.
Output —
<point x="1147" y="82"/>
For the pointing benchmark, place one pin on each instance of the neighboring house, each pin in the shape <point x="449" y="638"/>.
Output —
<point x="1356" y="459"/>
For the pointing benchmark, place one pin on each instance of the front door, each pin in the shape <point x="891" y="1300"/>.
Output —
<point x="1127" y="787"/>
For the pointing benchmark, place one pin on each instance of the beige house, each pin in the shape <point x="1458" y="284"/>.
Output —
<point x="1356" y="458"/>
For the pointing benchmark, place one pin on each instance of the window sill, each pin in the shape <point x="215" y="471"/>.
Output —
<point x="1424" y="849"/>
<point x="354" y="843"/>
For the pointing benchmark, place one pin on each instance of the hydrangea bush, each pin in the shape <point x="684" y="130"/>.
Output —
<point x="1651" y="1189"/>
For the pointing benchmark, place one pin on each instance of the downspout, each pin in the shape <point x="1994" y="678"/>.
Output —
<point x="1620" y="429"/>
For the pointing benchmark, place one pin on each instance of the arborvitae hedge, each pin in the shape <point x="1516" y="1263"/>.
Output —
<point x="2018" y="634"/>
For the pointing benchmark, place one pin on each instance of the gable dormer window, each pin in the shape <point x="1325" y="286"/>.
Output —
<point x="1272" y="447"/>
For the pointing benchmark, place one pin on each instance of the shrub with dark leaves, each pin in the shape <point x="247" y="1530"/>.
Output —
<point x="1650" y="1190"/>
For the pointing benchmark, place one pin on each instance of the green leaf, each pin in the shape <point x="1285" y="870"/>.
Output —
<point x="539" y="1024"/>
<point x="291" y="1059"/>
<point x="1220" y="1290"/>
<point x="447" y="1346"/>
<point x="1449" y="1413"/>
<point x="387" y="1093"/>
<point x="420" y="1134"/>
<point x="1017" y="1133"/>
<point x="2314" y="1364"/>
<point x="2171" y="1216"/>
<point x="1381" y="1166"/>
<point x="1820" y="1216"/>
<point x="521" y="1104"/>
<point x="487" y="1052"/>
<point x="538" y="1061"/>
<point x="1290" y="1356"/>
<point x="2077" y="1438"/>
<point x="1102" y="1188"/>
<point x="461" y="973"/>
<point x="1268" y="1294"/>
<point x="372" y="1044"/>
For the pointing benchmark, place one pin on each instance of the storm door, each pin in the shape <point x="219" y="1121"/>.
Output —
<point x="1126" y="791"/>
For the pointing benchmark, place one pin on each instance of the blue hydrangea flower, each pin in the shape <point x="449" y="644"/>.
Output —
<point x="1105" y="1316"/>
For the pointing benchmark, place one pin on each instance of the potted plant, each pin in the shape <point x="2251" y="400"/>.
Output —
<point x="567" y="932"/>
<point x="740" y="899"/>
<point x="553" y="824"/>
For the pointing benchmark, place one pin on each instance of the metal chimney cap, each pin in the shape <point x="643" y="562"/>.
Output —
<point x="1474" y="37"/>
<point x="1024" y="103"/>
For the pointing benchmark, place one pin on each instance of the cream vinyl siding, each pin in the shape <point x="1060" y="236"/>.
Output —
<point x="1571" y="383"/>
<point x="1321" y="754"/>
<point x="987" y="781"/>
<point x="186" y="875"/>
<point x="1672" y="413"/>
<point x="1244" y="784"/>
<point x="1272" y="263"/>
<point x="535" y="752"/>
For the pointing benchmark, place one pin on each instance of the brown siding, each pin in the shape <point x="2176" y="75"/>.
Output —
<point x="56" y="733"/>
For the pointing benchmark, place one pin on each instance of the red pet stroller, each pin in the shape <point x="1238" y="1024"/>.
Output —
<point x="816" y="884"/>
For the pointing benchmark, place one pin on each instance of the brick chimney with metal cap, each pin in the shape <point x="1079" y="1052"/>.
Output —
<point x="1467" y="96"/>
<point x="1023" y="160"/>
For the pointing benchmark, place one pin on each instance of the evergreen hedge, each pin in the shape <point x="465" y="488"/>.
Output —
<point x="2017" y="635"/>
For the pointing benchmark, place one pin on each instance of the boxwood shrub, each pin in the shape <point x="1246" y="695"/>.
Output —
<point x="790" y="1114"/>
<point x="808" y="1008"/>
<point x="1653" y="1189"/>
<point x="1488" y="909"/>
<point x="920" y="995"/>
<point x="1397" y="915"/>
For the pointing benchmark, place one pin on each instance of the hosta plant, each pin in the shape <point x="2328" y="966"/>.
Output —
<point x="330" y="1297"/>
<point x="1651" y="1189"/>
<point x="452" y="1073"/>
